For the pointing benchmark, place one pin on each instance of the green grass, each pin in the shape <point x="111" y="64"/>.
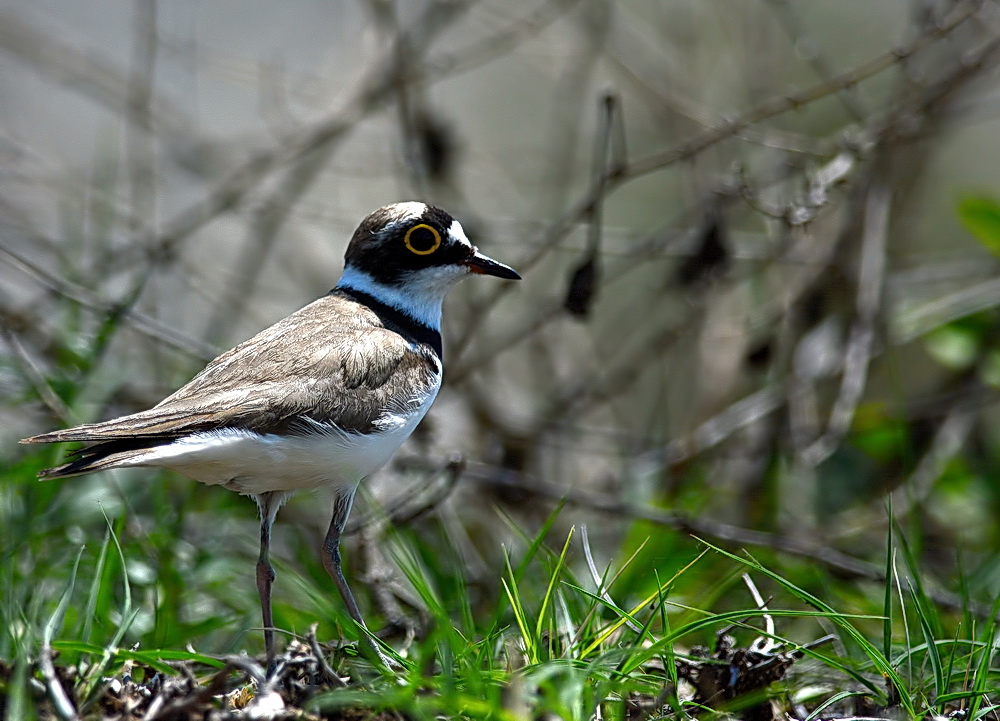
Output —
<point x="542" y="639"/>
<point x="146" y="570"/>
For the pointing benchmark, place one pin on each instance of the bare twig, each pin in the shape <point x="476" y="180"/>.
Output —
<point x="328" y="673"/>
<point x="246" y="664"/>
<point x="60" y="700"/>
<point x="188" y="702"/>
<point x="862" y="338"/>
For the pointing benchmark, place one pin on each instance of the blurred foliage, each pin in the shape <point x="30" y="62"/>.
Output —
<point x="752" y="314"/>
<point x="981" y="216"/>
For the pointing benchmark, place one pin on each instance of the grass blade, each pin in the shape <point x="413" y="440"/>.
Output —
<point x="520" y="616"/>
<point x="547" y="598"/>
<point x="890" y="553"/>
<point x="933" y="653"/>
<point x="95" y="588"/>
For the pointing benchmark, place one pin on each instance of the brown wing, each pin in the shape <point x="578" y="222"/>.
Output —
<point x="331" y="362"/>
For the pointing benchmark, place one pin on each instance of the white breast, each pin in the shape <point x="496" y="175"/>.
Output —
<point x="252" y="463"/>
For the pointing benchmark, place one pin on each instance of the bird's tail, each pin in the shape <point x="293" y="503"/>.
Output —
<point x="99" y="457"/>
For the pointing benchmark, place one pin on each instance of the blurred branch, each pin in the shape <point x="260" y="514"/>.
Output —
<point x="701" y="527"/>
<point x="304" y="151"/>
<point x="140" y="157"/>
<point x="492" y="47"/>
<point x="37" y="379"/>
<point x="95" y="77"/>
<point x="871" y="277"/>
<point x="404" y="508"/>
<point x="807" y="48"/>
<point x="795" y="100"/>
<point x="949" y="437"/>
<point x="609" y="153"/>
<point x="634" y="169"/>
<point x="719" y="428"/>
<point x="722" y="533"/>
<point x="142" y="323"/>
<point x="808" y="259"/>
<point x="912" y="320"/>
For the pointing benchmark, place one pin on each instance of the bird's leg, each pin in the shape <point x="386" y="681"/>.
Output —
<point x="265" y="576"/>
<point x="269" y="503"/>
<point x="331" y="561"/>
<point x="331" y="552"/>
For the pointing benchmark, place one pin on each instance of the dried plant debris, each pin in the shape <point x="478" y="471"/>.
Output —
<point x="582" y="289"/>
<point x="736" y="679"/>
<point x="727" y="681"/>
<point x="239" y="689"/>
<point x="710" y="258"/>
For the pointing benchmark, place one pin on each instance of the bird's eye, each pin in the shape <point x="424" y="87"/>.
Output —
<point x="422" y="239"/>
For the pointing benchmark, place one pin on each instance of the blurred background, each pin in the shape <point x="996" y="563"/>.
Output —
<point x="759" y="243"/>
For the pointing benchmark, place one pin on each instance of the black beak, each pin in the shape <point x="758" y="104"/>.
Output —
<point x="484" y="265"/>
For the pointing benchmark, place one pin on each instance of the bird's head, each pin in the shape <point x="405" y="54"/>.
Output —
<point x="410" y="255"/>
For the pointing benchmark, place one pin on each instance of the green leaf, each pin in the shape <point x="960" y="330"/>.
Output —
<point x="981" y="216"/>
<point x="953" y="346"/>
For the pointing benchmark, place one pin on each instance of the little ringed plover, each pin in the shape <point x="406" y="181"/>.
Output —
<point x="321" y="399"/>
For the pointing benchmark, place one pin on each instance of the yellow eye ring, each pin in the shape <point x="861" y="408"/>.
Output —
<point x="424" y="251"/>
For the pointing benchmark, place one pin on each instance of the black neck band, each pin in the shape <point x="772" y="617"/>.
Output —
<point x="396" y="320"/>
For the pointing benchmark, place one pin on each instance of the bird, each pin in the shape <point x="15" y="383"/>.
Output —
<point x="321" y="399"/>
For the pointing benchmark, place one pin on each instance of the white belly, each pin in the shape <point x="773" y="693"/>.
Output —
<point x="253" y="463"/>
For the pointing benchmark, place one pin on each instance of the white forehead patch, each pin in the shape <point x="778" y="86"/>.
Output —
<point x="458" y="233"/>
<point x="403" y="212"/>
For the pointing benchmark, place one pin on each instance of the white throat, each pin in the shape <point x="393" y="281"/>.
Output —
<point x="419" y="297"/>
